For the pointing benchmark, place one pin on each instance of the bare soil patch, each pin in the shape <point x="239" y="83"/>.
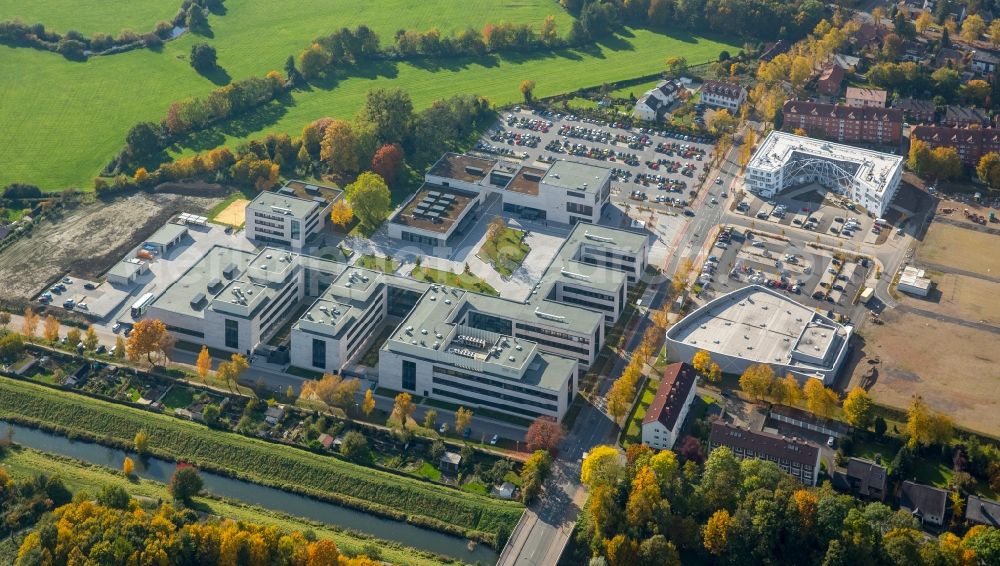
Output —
<point x="960" y="296"/>
<point x="952" y="367"/>
<point x="234" y="214"/>
<point x="85" y="242"/>
<point x="961" y="248"/>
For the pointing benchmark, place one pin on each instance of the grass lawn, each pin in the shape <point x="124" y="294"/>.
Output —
<point x="427" y="470"/>
<point x="924" y="470"/>
<point x="383" y="264"/>
<point x="466" y="281"/>
<point x="636" y="90"/>
<point x="82" y="476"/>
<point x="105" y="16"/>
<point x="507" y="253"/>
<point x="633" y="434"/>
<point x="370" y="358"/>
<point x="475" y="487"/>
<point x="178" y="397"/>
<point x="91" y="129"/>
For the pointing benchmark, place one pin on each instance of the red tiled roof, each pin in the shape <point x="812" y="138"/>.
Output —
<point x="719" y="88"/>
<point x="867" y="114"/>
<point x="678" y="379"/>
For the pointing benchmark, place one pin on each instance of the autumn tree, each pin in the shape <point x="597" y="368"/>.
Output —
<point x="4" y="319"/>
<point x="494" y="231"/>
<point x="463" y="418"/>
<point x="90" y="339"/>
<point x="549" y="35"/>
<point x="128" y="466"/>
<point x="714" y="373"/>
<point x="370" y="199"/>
<point x="388" y="162"/>
<point x="368" y="405"/>
<point x="620" y="398"/>
<point x="73" y="337"/>
<point x="430" y="419"/>
<point x="389" y="111"/>
<point x="621" y="551"/>
<point x="204" y="363"/>
<point x="858" y="408"/>
<point x="341" y="148"/>
<point x="30" y="323"/>
<point x="972" y="27"/>
<point x="51" y="329"/>
<point x="800" y="71"/>
<point x="149" y="338"/>
<point x="333" y="390"/>
<point x="715" y="536"/>
<point x="994" y="32"/>
<point x="701" y="361"/>
<point x="527" y="88"/>
<point x="341" y="213"/>
<point x="757" y="381"/>
<point x="786" y="390"/>
<point x="229" y="372"/>
<point x="141" y="442"/>
<point x="544" y="434"/>
<point x="988" y="168"/>
<point x="645" y="502"/>
<point x="679" y="282"/>
<point x="119" y="347"/>
<point x="926" y="427"/>
<point x="602" y="466"/>
<point x="313" y="61"/>
<point x="403" y="408"/>
<point x="676" y="66"/>
<point x="719" y="120"/>
<point x="923" y="21"/>
<point x="820" y="400"/>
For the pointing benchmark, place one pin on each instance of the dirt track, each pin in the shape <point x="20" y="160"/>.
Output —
<point x="86" y="241"/>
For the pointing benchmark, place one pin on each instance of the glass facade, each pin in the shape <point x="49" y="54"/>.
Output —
<point x="409" y="375"/>
<point x="319" y="353"/>
<point x="232" y="334"/>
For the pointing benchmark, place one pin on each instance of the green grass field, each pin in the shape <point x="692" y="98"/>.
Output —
<point x="87" y="108"/>
<point x="383" y="264"/>
<point x="82" y="476"/>
<point x="467" y="281"/>
<point x="507" y="253"/>
<point x="106" y="16"/>
<point x="260" y="462"/>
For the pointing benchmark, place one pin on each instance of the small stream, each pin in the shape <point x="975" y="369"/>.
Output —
<point x="270" y="498"/>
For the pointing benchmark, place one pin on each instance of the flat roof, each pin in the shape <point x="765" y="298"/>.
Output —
<point x="167" y="234"/>
<point x="434" y="208"/>
<point x="526" y="180"/>
<point x="309" y="190"/>
<point x="576" y="176"/>
<point x="874" y="169"/>
<point x="268" y="201"/>
<point x="462" y="167"/>
<point x="125" y="268"/>
<point x="760" y="325"/>
<point x="178" y="295"/>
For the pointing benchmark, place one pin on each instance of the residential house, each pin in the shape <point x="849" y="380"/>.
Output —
<point x="449" y="463"/>
<point x="982" y="511"/>
<point x="915" y="110"/>
<point x="797" y="457"/>
<point x="325" y="440"/>
<point x="723" y="95"/>
<point x="847" y="62"/>
<point x="971" y="144"/>
<point x="829" y="80"/>
<point x="948" y="56"/>
<point x="665" y="416"/>
<point x="273" y="415"/>
<point x="865" y="97"/>
<point x="868" y="480"/>
<point x="504" y="490"/>
<point x="964" y="116"/>
<point x="926" y="503"/>
<point x="655" y="102"/>
<point x="882" y="126"/>
<point x="984" y="62"/>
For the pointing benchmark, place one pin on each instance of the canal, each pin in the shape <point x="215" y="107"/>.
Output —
<point x="298" y="505"/>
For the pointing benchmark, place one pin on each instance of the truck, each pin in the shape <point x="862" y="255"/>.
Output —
<point x="139" y="307"/>
<point x="866" y="295"/>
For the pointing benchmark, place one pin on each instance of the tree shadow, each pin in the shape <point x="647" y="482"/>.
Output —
<point x="370" y="70"/>
<point x="455" y="63"/>
<point x="217" y="75"/>
<point x="615" y="42"/>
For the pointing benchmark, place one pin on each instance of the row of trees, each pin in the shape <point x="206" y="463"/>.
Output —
<point x="76" y="46"/>
<point x="114" y="529"/>
<point x="938" y="163"/>
<point x="624" y="389"/>
<point x="653" y="506"/>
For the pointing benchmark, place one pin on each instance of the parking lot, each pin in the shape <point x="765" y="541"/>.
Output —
<point x="814" y="277"/>
<point x="656" y="168"/>
<point x="817" y="210"/>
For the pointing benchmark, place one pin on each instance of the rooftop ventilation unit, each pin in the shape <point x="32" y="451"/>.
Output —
<point x="574" y="275"/>
<point x="282" y="210"/>
<point x="549" y="316"/>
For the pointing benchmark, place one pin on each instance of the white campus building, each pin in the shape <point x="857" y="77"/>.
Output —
<point x="290" y="215"/>
<point x="450" y="200"/>
<point x="756" y="325"/>
<point x="869" y="178"/>
<point x="655" y="102"/>
<point x="519" y="357"/>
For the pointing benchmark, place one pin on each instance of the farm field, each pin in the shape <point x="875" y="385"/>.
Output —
<point x="105" y="16"/>
<point x="260" y="462"/>
<point x="82" y="476"/>
<point x="97" y="101"/>
<point x="951" y="366"/>
<point x="960" y="248"/>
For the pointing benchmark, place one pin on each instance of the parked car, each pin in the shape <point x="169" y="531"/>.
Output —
<point x="117" y="326"/>
<point x="493" y="441"/>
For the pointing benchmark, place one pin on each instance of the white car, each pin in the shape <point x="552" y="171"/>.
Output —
<point x="117" y="326"/>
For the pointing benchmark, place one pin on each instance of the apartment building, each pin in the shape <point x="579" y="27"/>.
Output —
<point x="723" y="95"/>
<point x="796" y="457"/>
<point x="865" y="97"/>
<point x="871" y="125"/>
<point x="971" y="144"/>
<point x="664" y="419"/>
<point x="655" y="102"/>
<point x="916" y="110"/>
